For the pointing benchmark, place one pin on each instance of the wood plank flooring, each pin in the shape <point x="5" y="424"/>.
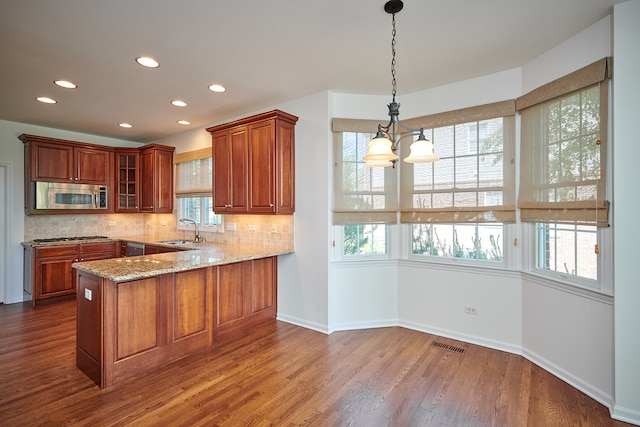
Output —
<point x="283" y="375"/>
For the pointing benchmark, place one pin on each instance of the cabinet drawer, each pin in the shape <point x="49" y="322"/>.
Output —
<point x="98" y="247"/>
<point x="57" y="250"/>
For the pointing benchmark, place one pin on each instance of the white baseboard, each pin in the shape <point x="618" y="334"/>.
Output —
<point x="303" y="323"/>
<point x="496" y="345"/>
<point x="627" y="415"/>
<point x="588" y="389"/>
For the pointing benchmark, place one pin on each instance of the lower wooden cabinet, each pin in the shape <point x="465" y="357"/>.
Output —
<point x="48" y="272"/>
<point x="245" y="295"/>
<point x="127" y="329"/>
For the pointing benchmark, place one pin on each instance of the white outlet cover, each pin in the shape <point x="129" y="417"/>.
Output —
<point x="87" y="294"/>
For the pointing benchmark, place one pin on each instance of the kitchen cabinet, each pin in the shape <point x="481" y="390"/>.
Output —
<point x="245" y="295"/>
<point x="254" y="164"/>
<point x="48" y="272"/>
<point x="128" y="328"/>
<point x="127" y="186"/>
<point x="230" y="173"/>
<point x="54" y="160"/>
<point x="156" y="178"/>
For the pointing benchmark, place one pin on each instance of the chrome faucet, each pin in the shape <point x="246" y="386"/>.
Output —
<point x="196" y="236"/>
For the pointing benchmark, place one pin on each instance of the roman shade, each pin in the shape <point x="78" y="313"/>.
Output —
<point x="563" y="152"/>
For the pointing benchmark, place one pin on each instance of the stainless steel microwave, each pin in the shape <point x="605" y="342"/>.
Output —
<point x="57" y="195"/>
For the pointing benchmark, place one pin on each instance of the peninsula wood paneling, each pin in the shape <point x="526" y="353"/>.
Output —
<point x="137" y="317"/>
<point x="191" y="303"/>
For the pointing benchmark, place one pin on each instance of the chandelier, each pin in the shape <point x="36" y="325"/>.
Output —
<point x="382" y="149"/>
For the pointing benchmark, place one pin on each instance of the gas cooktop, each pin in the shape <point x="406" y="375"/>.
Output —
<point x="69" y="239"/>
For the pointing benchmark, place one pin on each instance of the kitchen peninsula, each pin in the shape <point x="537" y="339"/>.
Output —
<point x="137" y="314"/>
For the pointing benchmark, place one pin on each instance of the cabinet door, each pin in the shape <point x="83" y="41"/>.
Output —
<point x="147" y="182"/>
<point x="221" y="191"/>
<point x="285" y="168"/>
<point x="51" y="162"/>
<point x="156" y="180"/>
<point x="263" y="290"/>
<point x="261" y="167"/>
<point x="56" y="276"/>
<point x="127" y="181"/>
<point x="93" y="166"/>
<point x="164" y="181"/>
<point x="230" y="170"/>
<point x="238" y="171"/>
<point x="233" y="291"/>
<point x="53" y="275"/>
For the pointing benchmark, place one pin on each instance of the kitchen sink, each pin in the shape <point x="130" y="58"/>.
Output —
<point x="175" y="242"/>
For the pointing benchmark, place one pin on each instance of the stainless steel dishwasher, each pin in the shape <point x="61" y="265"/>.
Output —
<point x="135" y="249"/>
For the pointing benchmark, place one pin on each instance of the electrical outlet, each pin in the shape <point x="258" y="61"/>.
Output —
<point x="87" y="294"/>
<point x="470" y="310"/>
<point x="252" y="227"/>
<point x="112" y="223"/>
<point x="231" y="226"/>
<point x="274" y="229"/>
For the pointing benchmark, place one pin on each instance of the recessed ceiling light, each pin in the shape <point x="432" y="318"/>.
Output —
<point x="184" y="122"/>
<point x="125" y="125"/>
<point x="146" y="61"/>
<point x="66" y="84"/>
<point x="179" y="103"/>
<point x="216" y="88"/>
<point x="46" y="100"/>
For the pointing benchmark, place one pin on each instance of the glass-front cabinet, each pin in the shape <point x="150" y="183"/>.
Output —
<point x="128" y="187"/>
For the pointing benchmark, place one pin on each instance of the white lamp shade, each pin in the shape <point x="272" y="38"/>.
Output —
<point x="421" y="152"/>
<point x="380" y="150"/>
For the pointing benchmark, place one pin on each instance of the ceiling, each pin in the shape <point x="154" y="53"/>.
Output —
<point x="264" y="52"/>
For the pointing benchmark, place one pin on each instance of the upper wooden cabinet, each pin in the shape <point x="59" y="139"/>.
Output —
<point x="127" y="186"/>
<point x="156" y="178"/>
<point x="138" y="179"/>
<point x="254" y="164"/>
<point x="55" y="160"/>
<point x="230" y="171"/>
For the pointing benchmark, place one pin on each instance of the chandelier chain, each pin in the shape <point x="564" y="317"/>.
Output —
<point x="393" y="56"/>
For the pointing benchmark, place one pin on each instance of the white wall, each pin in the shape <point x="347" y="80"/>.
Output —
<point x="12" y="152"/>
<point x="569" y="334"/>
<point x="433" y="299"/>
<point x="626" y="152"/>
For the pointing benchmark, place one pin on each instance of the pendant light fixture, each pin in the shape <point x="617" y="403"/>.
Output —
<point x="382" y="149"/>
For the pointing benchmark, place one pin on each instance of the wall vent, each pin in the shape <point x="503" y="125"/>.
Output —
<point x="448" y="347"/>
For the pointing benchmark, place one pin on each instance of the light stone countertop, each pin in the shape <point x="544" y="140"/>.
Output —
<point x="201" y="255"/>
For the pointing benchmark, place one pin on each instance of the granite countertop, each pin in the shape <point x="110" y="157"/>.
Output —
<point x="190" y="256"/>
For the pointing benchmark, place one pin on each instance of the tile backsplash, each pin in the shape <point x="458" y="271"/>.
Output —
<point x="264" y="230"/>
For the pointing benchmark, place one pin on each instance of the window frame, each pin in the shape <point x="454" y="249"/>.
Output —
<point x="195" y="193"/>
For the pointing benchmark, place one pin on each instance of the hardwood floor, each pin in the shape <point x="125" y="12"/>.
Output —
<point x="283" y="375"/>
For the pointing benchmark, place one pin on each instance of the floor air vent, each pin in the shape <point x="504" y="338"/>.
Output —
<point x="448" y="347"/>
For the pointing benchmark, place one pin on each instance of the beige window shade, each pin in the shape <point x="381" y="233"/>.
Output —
<point x="474" y="180"/>
<point x="194" y="177"/>
<point x="563" y="153"/>
<point x="192" y="155"/>
<point x="362" y="195"/>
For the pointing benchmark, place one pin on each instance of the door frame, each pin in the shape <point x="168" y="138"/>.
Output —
<point x="6" y="235"/>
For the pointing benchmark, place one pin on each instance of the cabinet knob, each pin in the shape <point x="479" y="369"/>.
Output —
<point x="270" y="205"/>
